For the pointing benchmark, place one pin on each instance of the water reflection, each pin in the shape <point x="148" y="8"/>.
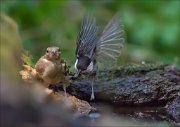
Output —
<point x="127" y="116"/>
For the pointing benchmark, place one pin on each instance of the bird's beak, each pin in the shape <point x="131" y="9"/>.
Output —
<point x="77" y="73"/>
<point x="53" y="52"/>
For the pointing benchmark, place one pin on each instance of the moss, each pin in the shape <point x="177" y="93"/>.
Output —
<point x="137" y="68"/>
<point x="27" y="59"/>
<point x="130" y="69"/>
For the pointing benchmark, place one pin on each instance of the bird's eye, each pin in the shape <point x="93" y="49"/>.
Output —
<point x="47" y="51"/>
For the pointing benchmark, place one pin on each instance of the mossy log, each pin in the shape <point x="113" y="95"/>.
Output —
<point x="142" y="85"/>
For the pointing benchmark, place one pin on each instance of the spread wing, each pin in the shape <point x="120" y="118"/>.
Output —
<point x="110" y="42"/>
<point x="87" y="36"/>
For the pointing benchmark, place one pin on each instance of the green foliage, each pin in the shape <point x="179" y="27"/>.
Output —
<point x="151" y="27"/>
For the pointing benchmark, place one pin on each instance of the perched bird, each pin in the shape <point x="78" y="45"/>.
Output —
<point x="93" y="50"/>
<point x="52" y="68"/>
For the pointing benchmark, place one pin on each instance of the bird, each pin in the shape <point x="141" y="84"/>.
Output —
<point x="51" y="68"/>
<point x="94" y="50"/>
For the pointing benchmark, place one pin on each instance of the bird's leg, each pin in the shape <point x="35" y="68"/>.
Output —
<point x="64" y="88"/>
<point x="95" y="68"/>
<point x="92" y="89"/>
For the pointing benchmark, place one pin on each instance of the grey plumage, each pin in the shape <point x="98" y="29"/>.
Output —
<point x="92" y="50"/>
<point x="87" y="36"/>
<point x="109" y="45"/>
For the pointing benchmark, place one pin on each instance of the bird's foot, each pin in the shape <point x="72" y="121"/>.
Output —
<point x="53" y="87"/>
<point x="92" y="97"/>
<point x="65" y="94"/>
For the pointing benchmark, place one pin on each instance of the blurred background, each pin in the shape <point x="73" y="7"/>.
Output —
<point x="152" y="28"/>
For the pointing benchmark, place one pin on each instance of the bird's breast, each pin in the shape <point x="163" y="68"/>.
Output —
<point x="90" y="67"/>
<point x="50" y="65"/>
<point x="45" y="60"/>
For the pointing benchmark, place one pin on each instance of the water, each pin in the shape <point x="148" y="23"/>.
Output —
<point x="106" y="115"/>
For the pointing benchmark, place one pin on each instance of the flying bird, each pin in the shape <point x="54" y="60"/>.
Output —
<point x="93" y="50"/>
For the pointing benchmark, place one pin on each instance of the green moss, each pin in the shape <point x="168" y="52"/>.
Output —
<point x="129" y="69"/>
<point x="134" y="68"/>
<point x="27" y="59"/>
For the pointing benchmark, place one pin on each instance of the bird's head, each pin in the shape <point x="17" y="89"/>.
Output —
<point x="53" y="53"/>
<point x="82" y="64"/>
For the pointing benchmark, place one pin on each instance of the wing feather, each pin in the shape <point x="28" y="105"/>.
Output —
<point x="110" y="42"/>
<point x="87" y="36"/>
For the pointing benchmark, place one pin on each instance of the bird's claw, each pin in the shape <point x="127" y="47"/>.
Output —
<point x="92" y="97"/>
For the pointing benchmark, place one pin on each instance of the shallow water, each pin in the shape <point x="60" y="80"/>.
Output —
<point x="106" y="115"/>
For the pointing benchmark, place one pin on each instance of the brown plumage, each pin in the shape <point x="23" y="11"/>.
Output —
<point x="52" y="68"/>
